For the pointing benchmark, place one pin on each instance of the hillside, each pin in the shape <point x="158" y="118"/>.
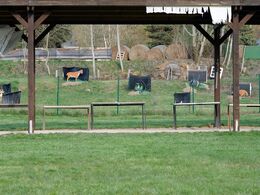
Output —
<point x="158" y="101"/>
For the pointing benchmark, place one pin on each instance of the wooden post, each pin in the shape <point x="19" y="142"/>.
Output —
<point x="236" y="70"/>
<point x="31" y="70"/>
<point x="217" y="74"/>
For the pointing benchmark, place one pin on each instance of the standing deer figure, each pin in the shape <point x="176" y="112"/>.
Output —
<point x="74" y="74"/>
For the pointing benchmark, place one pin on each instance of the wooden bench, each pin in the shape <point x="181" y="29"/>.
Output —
<point x="190" y="104"/>
<point x="86" y="107"/>
<point x="95" y="104"/>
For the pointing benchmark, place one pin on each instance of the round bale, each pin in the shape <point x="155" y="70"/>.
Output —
<point x="176" y="51"/>
<point x="123" y="48"/>
<point x="155" y="54"/>
<point x="138" y="52"/>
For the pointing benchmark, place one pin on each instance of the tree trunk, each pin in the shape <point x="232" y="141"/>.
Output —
<point x="194" y="45"/>
<point x="48" y="54"/>
<point x="202" y="46"/>
<point x="93" y="52"/>
<point x="119" y="48"/>
<point x="230" y="52"/>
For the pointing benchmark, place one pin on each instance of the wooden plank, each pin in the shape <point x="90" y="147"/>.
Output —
<point x="217" y="75"/>
<point x="142" y="2"/>
<point x="14" y="2"/>
<point x="225" y="36"/>
<point x="68" y="107"/>
<point x="205" y="33"/>
<point x="236" y="71"/>
<point x="20" y="19"/>
<point x="117" y="103"/>
<point x="246" y="105"/>
<point x="127" y="2"/>
<point x="40" y="20"/>
<point x="196" y="103"/>
<point x="13" y="105"/>
<point x="246" y="18"/>
<point x="31" y="72"/>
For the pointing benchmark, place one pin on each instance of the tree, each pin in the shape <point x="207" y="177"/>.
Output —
<point x="159" y="34"/>
<point x="57" y="36"/>
<point x="247" y="35"/>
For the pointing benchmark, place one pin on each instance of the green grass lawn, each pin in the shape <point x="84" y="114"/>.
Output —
<point x="199" y="163"/>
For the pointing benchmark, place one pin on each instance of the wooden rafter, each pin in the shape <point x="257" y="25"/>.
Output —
<point x="40" y="20"/>
<point x="44" y="33"/>
<point x="20" y="19"/>
<point x="225" y="36"/>
<point x="243" y="21"/>
<point x="205" y="33"/>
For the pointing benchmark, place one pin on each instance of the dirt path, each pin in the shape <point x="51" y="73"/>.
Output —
<point x="155" y="130"/>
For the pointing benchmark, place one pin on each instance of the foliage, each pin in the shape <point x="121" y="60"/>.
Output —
<point x="57" y="36"/>
<point x="159" y="34"/>
<point x="105" y="35"/>
<point x="247" y="35"/>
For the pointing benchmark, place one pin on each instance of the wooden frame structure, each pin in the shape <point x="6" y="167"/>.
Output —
<point x="118" y="104"/>
<point x="175" y="105"/>
<point x="32" y="13"/>
<point x="82" y="107"/>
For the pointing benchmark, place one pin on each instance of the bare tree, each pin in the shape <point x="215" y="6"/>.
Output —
<point x="48" y="54"/>
<point x="119" y="48"/>
<point x="93" y="52"/>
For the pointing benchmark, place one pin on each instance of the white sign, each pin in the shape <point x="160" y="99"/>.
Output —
<point x="212" y="72"/>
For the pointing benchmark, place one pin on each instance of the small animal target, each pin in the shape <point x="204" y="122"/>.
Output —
<point x="243" y="93"/>
<point x="74" y="75"/>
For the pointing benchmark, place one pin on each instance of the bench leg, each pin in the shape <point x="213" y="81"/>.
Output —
<point x="174" y="116"/>
<point x="92" y="116"/>
<point x="43" y="120"/>
<point x="143" y="117"/>
<point x="89" y="118"/>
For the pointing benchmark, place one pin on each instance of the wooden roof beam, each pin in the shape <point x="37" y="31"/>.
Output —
<point x="136" y="2"/>
<point x="243" y="21"/>
<point x="44" y="33"/>
<point x="205" y="33"/>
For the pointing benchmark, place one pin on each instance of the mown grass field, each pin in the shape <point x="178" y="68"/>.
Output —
<point x="158" y="102"/>
<point x="198" y="163"/>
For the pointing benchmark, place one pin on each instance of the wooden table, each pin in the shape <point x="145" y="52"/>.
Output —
<point x="13" y="105"/>
<point x="190" y="104"/>
<point x="86" y="107"/>
<point x="240" y="105"/>
<point x="142" y="104"/>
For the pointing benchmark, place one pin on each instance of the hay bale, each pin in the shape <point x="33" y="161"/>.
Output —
<point x="138" y="52"/>
<point x="161" y="47"/>
<point x="176" y="51"/>
<point x="123" y="48"/>
<point x="155" y="54"/>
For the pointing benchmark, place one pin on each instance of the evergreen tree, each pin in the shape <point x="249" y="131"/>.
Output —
<point x="59" y="35"/>
<point x="247" y="35"/>
<point x="159" y="34"/>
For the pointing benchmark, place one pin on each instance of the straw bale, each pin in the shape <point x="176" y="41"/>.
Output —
<point x="176" y="51"/>
<point x="155" y="54"/>
<point x="161" y="47"/>
<point x="138" y="52"/>
<point x="122" y="48"/>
